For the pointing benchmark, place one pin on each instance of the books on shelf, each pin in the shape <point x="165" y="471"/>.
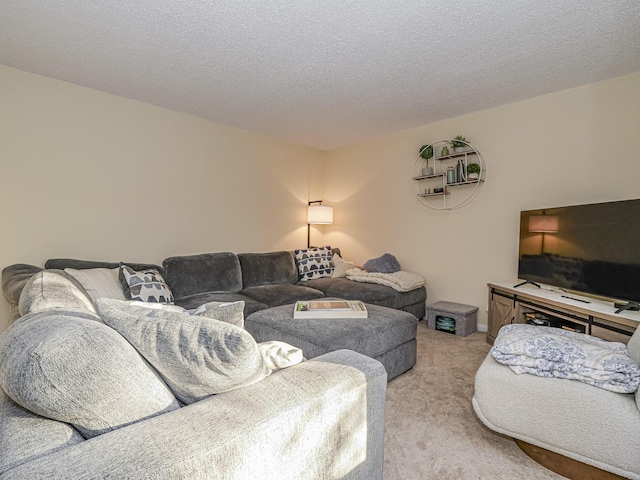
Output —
<point x="330" y="309"/>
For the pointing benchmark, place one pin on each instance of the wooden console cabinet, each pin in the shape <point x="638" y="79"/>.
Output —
<point x="593" y="317"/>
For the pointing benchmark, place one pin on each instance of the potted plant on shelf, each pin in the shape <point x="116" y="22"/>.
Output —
<point x="426" y="152"/>
<point x="458" y="143"/>
<point x="473" y="171"/>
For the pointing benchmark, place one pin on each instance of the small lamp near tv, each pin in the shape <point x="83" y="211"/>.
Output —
<point x="543" y="224"/>
<point x="317" y="215"/>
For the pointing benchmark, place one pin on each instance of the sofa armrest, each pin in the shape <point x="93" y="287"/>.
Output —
<point x="323" y="418"/>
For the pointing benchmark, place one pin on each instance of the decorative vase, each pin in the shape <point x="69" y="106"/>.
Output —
<point x="444" y="152"/>
<point x="451" y="175"/>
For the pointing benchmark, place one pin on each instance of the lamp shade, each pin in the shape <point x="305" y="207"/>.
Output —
<point x="319" y="214"/>
<point x="543" y="224"/>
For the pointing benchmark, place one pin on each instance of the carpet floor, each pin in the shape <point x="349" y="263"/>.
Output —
<point x="431" y="430"/>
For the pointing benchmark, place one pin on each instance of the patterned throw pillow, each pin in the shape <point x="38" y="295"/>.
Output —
<point x="314" y="263"/>
<point x="146" y="285"/>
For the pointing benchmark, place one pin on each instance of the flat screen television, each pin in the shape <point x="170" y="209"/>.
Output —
<point x="592" y="249"/>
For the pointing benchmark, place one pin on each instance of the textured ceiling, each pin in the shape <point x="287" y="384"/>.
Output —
<point x="323" y="73"/>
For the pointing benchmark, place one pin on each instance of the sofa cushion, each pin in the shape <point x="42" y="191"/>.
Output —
<point x="25" y="436"/>
<point x="227" y="312"/>
<point x="99" y="282"/>
<point x="375" y="294"/>
<point x="195" y="301"/>
<point x="14" y="278"/>
<point x="68" y="366"/>
<point x="267" y="268"/>
<point x="146" y="285"/>
<point x="314" y="263"/>
<point x="208" y="272"/>
<point x="197" y="356"/>
<point x="53" y="289"/>
<point x="274" y="295"/>
<point x="62" y="263"/>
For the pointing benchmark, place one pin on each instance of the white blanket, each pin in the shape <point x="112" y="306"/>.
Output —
<point x="399" y="281"/>
<point x="553" y="352"/>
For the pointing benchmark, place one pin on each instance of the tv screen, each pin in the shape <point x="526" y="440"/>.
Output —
<point x="593" y="248"/>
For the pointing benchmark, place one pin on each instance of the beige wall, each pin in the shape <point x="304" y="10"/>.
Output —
<point x="576" y="146"/>
<point x="88" y="175"/>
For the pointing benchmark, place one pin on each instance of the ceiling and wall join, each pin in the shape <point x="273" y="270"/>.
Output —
<point x="324" y="74"/>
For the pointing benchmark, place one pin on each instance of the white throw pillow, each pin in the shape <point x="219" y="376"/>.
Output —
<point x="278" y="355"/>
<point x="340" y="266"/>
<point x="99" y="282"/>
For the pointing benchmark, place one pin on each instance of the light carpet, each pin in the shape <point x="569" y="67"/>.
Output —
<point x="431" y="430"/>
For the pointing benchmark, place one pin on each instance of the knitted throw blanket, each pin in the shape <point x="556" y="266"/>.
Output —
<point x="399" y="281"/>
<point x="552" y="352"/>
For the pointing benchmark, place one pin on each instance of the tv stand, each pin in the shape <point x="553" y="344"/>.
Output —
<point x="632" y="306"/>
<point x="539" y="305"/>
<point x="526" y="282"/>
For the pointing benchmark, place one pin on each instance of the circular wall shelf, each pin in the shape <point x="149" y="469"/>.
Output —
<point x="442" y="181"/>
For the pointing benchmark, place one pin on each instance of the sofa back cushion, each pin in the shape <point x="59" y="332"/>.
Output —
<point x="53" y="289"/>
<point x="268" y="268"/>
<point x="62" y="263"/>
<point x="26" y="436"/>
<point x="70" y="367"/>
<point x="207" y="272"/>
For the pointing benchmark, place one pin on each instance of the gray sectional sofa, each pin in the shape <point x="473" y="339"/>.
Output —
<point x="323" y="418"/>
<point x="266" y="280"/>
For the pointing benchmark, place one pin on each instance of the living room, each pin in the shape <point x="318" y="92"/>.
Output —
<point x="93" y="175"/>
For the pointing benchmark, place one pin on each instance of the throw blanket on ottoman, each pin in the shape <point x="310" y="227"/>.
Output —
<point x="553" y="352"/>
<point x="399" y="281"/>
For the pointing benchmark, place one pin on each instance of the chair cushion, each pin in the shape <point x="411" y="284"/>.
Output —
<point x="197" y="356"/>
<point x="68" y="366"/>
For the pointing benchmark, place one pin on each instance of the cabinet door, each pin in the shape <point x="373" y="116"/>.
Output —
<point x="501" y="313"/>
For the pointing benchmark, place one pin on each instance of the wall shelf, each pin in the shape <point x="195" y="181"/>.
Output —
<point x="450" y="198"/>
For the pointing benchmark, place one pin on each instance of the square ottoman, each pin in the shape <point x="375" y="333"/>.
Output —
<point x="464" y="316"/>
<point x="387" y="335"/>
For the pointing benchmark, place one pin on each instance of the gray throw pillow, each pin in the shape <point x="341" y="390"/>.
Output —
<point x="227" y="312"/>
<point x="53" y="289"/>
<point x="387" y="263"/>
<point x="196" y="356"/>
<point x="66" y="366"/>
